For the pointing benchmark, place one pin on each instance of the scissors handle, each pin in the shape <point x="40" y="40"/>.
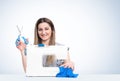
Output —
<point x="21" y="38"/>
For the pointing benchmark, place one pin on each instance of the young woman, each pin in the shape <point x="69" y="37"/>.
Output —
<point x="44" y="34"/>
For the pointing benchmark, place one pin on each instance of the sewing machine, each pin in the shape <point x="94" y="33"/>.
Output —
<point x="39" y="63"/>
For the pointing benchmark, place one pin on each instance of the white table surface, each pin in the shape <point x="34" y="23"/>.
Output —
<point x="97" y="77"/>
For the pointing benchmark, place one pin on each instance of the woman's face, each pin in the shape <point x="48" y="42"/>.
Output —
<point x="44" y="31"/>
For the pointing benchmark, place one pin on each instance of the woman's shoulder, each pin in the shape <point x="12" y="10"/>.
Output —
<point x="59" y="44"/>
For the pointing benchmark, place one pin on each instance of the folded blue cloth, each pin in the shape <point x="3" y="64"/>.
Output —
<point x="66" y="72"/>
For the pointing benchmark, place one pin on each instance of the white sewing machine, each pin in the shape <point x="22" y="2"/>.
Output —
<point x="39" y="63"/>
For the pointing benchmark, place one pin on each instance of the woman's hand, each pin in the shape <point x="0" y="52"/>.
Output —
<point x="68" y="64"/>
<point x="21" y="46"/>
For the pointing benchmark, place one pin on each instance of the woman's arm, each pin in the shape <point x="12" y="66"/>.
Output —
<point x="22" y="48"/>
<point x="24" y="60"/>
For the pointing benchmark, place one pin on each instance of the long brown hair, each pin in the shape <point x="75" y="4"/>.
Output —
<point x="37" y="39"/>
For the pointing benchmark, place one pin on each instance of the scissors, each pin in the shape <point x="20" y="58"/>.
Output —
<point x="20" y="37"/>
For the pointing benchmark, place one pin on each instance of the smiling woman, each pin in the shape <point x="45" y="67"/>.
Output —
<point x="90" y="27"/>
<point x="44" y="34"/>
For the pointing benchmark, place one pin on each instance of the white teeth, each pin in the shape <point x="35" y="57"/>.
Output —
<point x="44" y="35"/>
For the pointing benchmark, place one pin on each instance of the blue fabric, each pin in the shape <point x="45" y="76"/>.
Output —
<point x="66" y="72"/>
<point x="41" y="45"/>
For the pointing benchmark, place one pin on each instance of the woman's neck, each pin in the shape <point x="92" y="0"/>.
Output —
<point x="46" y="42"/>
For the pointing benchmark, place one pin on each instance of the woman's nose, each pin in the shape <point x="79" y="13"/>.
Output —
<point x="43" y="32"/>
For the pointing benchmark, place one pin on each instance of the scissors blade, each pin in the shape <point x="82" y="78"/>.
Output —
<point x="19" y="30"/>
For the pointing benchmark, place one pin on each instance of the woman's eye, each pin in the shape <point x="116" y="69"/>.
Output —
<point x="39" y="29"/>
<point x="46" y="28"/>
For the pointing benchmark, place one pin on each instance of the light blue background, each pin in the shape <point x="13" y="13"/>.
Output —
<point x="90" y="27"/>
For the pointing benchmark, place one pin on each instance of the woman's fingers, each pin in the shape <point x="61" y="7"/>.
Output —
<point x="68" y="65"/>
<point x="21" y="46"/>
